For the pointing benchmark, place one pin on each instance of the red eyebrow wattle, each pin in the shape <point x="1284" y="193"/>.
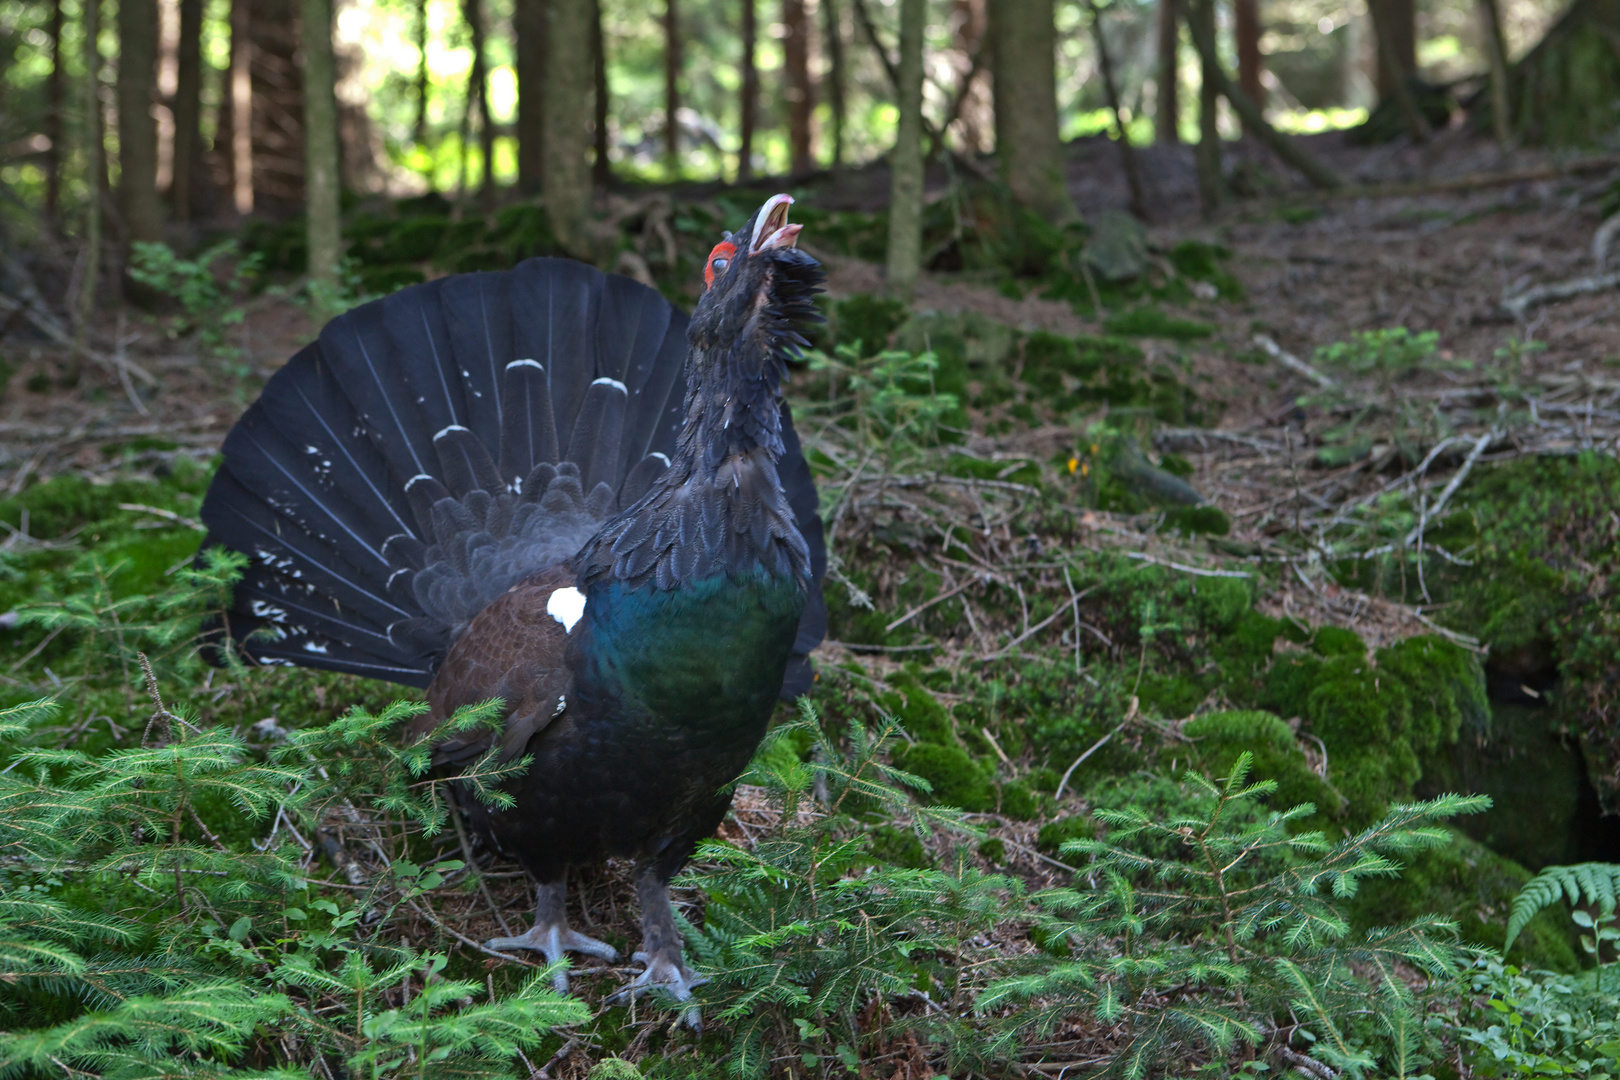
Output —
<point x="724" y="248"/>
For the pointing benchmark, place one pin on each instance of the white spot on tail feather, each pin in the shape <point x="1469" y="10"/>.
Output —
<point x="315" y="647"/>
<point x="445" y="431"/>
<point x="661" y="457"/>
<point x="566" y="606"/>
<point x="525" y="363"/>
<point x="615" y="383"/>
<point x="415" y="479"/>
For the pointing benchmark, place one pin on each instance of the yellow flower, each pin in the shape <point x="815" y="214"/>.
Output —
<point x="1074" y="463"/>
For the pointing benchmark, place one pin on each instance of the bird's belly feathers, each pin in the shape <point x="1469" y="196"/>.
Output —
<point x="672" y="692"/>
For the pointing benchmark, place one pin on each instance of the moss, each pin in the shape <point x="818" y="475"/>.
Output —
<point x="1445" y="686"/>
<point x="1221" y="737"/>
<point x="1467" y="882"/>
<point x="957" y="780"/>
<point x="1337" y="641"/>
<point x="1151" y="321"/>
<point x="918" y="711"/>
<point x="867" y="320"/>
<point x="993" y="849"/>
<point x="1364" y="720"/>
<point x="1018" y="801"/>
<point x="898" y="847"/>
<point x="1054" y="834"/>
<point x="1203" y="520"/>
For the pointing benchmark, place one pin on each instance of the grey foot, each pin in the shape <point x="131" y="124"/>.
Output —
<point x="552" y="936"/>
<point x="662" y="973"/>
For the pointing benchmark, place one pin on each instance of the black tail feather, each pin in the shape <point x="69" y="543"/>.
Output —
<point x="434" y="446"/>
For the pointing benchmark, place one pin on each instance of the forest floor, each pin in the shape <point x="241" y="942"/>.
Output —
<point x="1295" y="444"/>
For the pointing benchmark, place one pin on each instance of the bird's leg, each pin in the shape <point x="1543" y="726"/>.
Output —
<point x="661" y="946"/>
<point x="551" y="934"/>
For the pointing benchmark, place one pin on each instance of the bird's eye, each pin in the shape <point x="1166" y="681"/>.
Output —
<point x="719" y="259"/>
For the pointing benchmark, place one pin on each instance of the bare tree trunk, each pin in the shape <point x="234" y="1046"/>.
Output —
<point x="1397" y="59"/>
<point x="835" y="78"/>
<point x="601" y="166"/>
<point x="1395" y="23"/>
<point x="1496" y="51"/>
<point x="749" y="108"/>
<point x="137" y="131"/>
<point x="906" y="162"/>
<point x="187" y="168"/>
<point x="801" y="98"/>
<point x="1211" y="185"/>
<point x="567" y="134"/>
<point x="672" y="87"/>
<point x="419" y="128"/>
<point x="322" y="221"/>
<point x="1167" y="111"/>
<point x="1127" y="152"/>
<point x="1026" y="106"/>
<point x="277" y="92"/>
<point x="478" y="94"/>
<point x="95" y="181"/>
<point x="237" y="110"/>
<point x="53" y="115"/>
<point x="1246" y="35"/>
<point x="529" y="27"/>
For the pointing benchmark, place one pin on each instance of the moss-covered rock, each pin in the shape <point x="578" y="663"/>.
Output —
<point x="1221" y="737"/>
<point x="957" y="780"/>
<point x="1469" y="883"/>
<point x="918" y="710"/>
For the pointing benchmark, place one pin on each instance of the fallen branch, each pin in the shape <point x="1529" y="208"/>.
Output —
<point x="1184" y="568"/>
<point x="1519" y="303"/>
<point x="1293" y="363"/>
<point x="1455" y="482"/>
<point x="1130" y="714"/>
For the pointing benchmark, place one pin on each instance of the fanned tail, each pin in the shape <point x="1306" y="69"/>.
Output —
<point x="436" y="446"/>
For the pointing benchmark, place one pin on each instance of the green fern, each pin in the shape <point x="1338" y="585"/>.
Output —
<point x="1583" y="883"/>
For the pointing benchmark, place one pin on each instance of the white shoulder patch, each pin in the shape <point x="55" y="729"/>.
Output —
<point x="566" y="606"/>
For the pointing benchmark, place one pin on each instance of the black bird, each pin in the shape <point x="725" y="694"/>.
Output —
<point x="547" y="485"/>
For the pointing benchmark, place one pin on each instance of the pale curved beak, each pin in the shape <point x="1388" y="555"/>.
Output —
<point x="771" y="228"/>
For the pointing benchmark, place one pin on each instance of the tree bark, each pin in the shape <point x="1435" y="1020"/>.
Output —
<point x="1211" y="185"/>
<point x="419" y="128"/>
<point x="1127" y="152"/>
<point x="187" y="111"/>
<point x="322" y="222"/>
<point x="567" y="133"/>
<point x="1496" y="52"/>
<point x="478" y="101"/>
<point x="277" y="93"/>
<point x="1291" y="153"/>
<point x="529" y="24"/>
<point x="906" y="162"/>
<point x="834" y="33"/>
<point x="749" y="107"/>
<point x="1246" y="36"/>
<point x="601" y="165"/>
<point x="1025" y="89"/>
<point x="54" y="96"/>
<point x="1395" y="23"/>
<point x="1397" y="61"/>
<point x="137" y="131"/>
<point x="95" y="180"/>
<point x="1167" y="111"/>
<point x="801" y="99"/>
<point x="672" y="87"/>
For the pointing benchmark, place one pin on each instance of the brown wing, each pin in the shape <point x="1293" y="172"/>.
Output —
<point x="515" y="650"/>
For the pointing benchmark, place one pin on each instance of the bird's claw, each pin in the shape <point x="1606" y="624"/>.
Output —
<point x="672" y="976"/>
<point x="554" y="942"/>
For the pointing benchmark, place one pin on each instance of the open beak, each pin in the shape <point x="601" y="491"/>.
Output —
<point x="771" y="228"/>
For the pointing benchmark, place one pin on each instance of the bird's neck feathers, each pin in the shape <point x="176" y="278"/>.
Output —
<point x="720" y="507"/>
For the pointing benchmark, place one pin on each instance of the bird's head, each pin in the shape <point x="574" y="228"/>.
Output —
<point x="758" y="291"/>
